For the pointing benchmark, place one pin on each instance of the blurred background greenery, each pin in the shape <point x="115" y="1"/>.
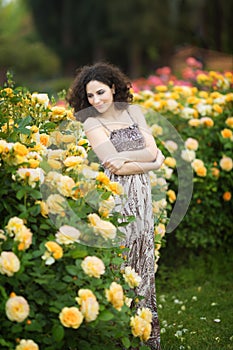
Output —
<point x="43" y="42"/>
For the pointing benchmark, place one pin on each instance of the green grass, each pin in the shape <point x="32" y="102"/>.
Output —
<point x="194" y="296"/>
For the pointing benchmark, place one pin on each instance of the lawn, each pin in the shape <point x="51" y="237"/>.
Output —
<point x="194" y="296"/>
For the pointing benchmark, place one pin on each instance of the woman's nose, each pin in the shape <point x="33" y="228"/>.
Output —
<point x="96" y="99"/>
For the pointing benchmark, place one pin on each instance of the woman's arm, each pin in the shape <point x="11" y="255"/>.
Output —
<point x="132" y="168"/>
<point x="107" y="153"/>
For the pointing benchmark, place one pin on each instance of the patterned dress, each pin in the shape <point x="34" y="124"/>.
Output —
<point x="139" y="234"/>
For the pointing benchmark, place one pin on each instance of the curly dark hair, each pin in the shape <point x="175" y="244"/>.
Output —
<point x="105" y="73"/>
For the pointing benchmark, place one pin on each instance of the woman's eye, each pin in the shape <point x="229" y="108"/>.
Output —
<point x="89" y="96"/>
<point x="101" y="92"/>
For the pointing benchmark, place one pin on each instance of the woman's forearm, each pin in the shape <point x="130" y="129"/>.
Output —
<point x="132" y="168"/>
<point x="142" y="155"/>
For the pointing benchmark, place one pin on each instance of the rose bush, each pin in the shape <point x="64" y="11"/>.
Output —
<point x="62" y="278"/>
<point x="202" y="113"/>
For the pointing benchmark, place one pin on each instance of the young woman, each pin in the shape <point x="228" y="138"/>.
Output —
<point x="121" y="139"/>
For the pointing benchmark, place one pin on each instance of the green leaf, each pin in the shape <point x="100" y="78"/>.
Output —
<point x="72" y="270"/>
<point x="80" y="252"/>
<point x="126" y="342"/>
<point x="106" y="316"/>
<point x="58" y="333"/>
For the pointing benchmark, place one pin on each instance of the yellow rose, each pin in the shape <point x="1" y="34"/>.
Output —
<point x="55" y="249"/>
<point x="9" y="263"/>
<point x="215" y="172"/>
<point x="14" y="225"/>
<point x="226" y="133"/>
<point x="169" y="161"/>
<point x="171" y="196"/>
<point x="20" y="149"/>
<point x="54" y="164"/>
<point x="106" y="206"/>
<point x="116" y="188"/>
<point x="226" y="163"/>
<point x="68" y="138"/>
<point x="71" y="317"/>
<point x="33" y="163"/>
<point x="27" y="345"/>
<point x="229" y="122"/>
<point x="17" y="308"/>
<point x="65" y="186"/>
<point x="145" y="314"/>
<point x="44" y="139"/>
<point x="105" y="228"/>
<point x="191" y="144"/>
<point x="156" y="130"/>
<point x="115" y="295"/>
<point x="197" y="163"/>
<point x="89" y="306"/>
<point x="73" y="161"/>
<point x="67" y="235"/>
<point x="131" y="277"/>
<point x="206" y="121"/>
<point x="55" y="204"/>
<point x="201" y="171"/>
<point x="160" y="229"/>
<point x="93" y="266"/>
<point x="102" y="178"/>
<point x="42" y="99"/>
<point x="194" y="122"/>
<point x="140" y="328"/>
<point x="24" y="237"/>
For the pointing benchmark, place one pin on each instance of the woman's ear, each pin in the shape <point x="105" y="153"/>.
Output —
<point x="113" y="89"/>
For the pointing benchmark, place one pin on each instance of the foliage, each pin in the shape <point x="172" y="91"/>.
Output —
<point x="202" y="115"/>
<point x="62" y="272"/>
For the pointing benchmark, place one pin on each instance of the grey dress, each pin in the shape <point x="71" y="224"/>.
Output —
<point x="139" y="235"/>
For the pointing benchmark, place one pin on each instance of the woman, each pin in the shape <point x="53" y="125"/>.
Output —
<point x="121" y="139"/>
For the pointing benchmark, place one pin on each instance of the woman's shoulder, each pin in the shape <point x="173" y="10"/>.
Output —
<point x="136" y="112"/>
<point x="90" y="123"/>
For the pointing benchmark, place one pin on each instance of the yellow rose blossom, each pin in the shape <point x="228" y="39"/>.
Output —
<point x="105" y="228"/>
<point x="227" y="196"/>
<point x="55" y="249"/>
<point x="160" y="229"/>
<point x="194" y="122"/>
<point x="215" y="172"/>
<point x="197" y="163"/>
<point x="93" y="266"/>
<point x="226" y="133"/>
<point x="191" y="144"/>
<point x="44" y="139"/>
<point x="206" y="121"/>
<point x="131" y="277"/>
<point x="106" y="206"/>
<point x="115" y="295"/>
<point x="65" y="185"/>
<point x="140" y="328"/>
<point x="145" y="314"/>
<point x="94" y="166"/>
<point x="203" y="94"/>
<point x="54" y="164"/>
<point x="226" y="163"/>
<point x="42" y="99"/>
<point x="82" y="142"/>
<point x="14" y="225"/>
<point x="20" y="149"/>
<point x="217" y="108"/>
<point x="161" y="88"/>
<point x="89" y="306"/>
<point x="24" y="238"/>
<point x="43" y="208"/>
<point x="229" y="97"/>
<point x="9" y="92"/>
<point x="103" y="178"/>
<point x="9" y="263"/>
<point x="71" y="317"/>
<point x="201" y="171"/>
<point x="171" y="196"/>
<point x="67" y="235"/>
<point x="116" y="188"/>
<point x="73" y="161"/>
<point x="156" y="130"/>
<point x="229" y="122"/>
<point x="27" y="344"/>
<point x="17" y="308"/>
<point x="33" y="163"/>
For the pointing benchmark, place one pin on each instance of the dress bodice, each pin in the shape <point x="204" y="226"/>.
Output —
<point x="127" y="139"/>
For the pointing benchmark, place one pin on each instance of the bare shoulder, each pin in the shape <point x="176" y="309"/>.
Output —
<point x="90" y="124"/>
<point x="137" y="114"/>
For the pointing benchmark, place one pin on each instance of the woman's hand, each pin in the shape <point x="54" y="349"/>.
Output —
<point x="114" y="163"/>
<point x="159" y="159"/>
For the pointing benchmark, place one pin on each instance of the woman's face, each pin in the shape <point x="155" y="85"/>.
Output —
<point x="99" y="95"/>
